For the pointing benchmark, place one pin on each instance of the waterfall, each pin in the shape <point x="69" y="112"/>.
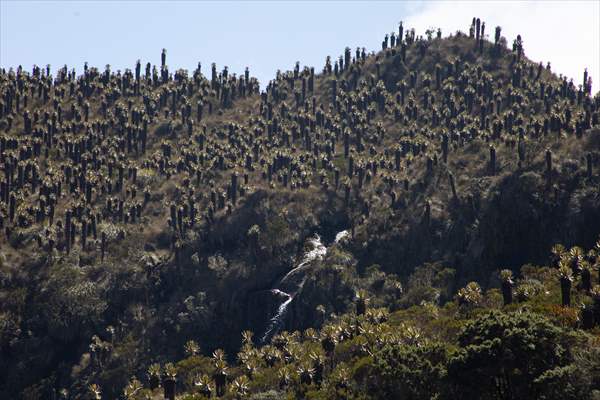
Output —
<point x="318" y="251"/>
<point x="341" y="236"/>
<point x="276" y="322"/>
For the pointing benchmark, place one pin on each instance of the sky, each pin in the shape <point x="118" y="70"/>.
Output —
<point x="270" y="35"/>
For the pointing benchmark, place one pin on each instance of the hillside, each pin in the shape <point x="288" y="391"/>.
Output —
<point x="152" y="216"/>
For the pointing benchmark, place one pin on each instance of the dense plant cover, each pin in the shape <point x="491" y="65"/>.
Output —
<point x="384" y="228"/>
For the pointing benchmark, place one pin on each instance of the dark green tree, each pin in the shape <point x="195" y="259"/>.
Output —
<point x="502" y="354"/>
<point x="412" y="371"/>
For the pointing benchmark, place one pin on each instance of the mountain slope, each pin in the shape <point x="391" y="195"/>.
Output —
<point x="142" y="210"/>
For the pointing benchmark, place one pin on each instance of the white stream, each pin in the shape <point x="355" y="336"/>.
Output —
<point x="317" y="251"/>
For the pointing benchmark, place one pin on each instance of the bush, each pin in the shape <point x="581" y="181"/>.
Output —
<point x="409" y="371"/>
<point x="506" y="352"/>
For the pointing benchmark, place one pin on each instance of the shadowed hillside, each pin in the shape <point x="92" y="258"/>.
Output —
<point x="150" y="216"/>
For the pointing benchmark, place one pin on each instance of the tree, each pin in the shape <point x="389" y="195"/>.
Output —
<point x="240" y="387"/>
<point x="558" y="251"/>
<point x="154" y="376"/>
<point x="204" y="385"/>
<point x="169" y="381"/>
<point x="329" y="339"/>
<point x="502" y="354"/>
<point x="497" y="39"/>
<point x="575" y="257"/>
<point x="566" y="281"/>
<point x="318" y="363"/>
<point x="95" y="391"/>
<point x="586" y="277"/>
<point x="132" y="389"/>
<point x="470" y="295"/>
<point x="191" y="348"/>
<point x="306" y="373"/>
<point x="409" y="371"/>
<point x="507" y="286"/>
<point x="220" y="373"/>
<point x="361" y="302"/>
<point x="429" y="33"/>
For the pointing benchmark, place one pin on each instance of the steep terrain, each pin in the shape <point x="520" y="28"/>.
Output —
<point x="143" y="210"/>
